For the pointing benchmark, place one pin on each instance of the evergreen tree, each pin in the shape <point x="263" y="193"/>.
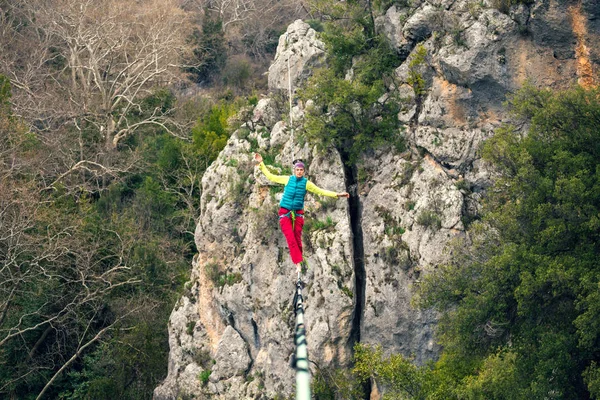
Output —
<point x="521" y="304"/>
<point x="209" y="51"/>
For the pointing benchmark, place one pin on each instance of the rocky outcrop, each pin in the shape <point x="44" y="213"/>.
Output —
<point x="299" y="51"/>
<point x="231" y="333"/>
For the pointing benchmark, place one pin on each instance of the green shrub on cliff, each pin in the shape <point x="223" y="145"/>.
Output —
<point x="520" y="303"/>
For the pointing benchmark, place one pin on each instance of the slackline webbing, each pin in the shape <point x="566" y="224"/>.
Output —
<point x="301" y="356"/>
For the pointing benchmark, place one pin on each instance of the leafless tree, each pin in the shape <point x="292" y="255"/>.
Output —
<point x="115" y="53"/>
<point x="56" y="275"/>
<point x="249" y="25"/>
<point x="55" y="281"/>
<point x="83" y="73"/>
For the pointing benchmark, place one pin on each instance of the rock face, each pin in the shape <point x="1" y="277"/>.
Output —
<point x="231" y="333"/>
<point x="301" y="51"/>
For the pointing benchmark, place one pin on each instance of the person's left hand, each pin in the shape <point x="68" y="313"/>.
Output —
<point x="343" y="194"/>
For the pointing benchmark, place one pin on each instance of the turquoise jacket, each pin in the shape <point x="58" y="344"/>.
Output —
<point x="295" y="189"/>
<point x="293" y="193"/>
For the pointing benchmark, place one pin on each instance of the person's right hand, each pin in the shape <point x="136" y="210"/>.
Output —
<point x="258" y="158"/>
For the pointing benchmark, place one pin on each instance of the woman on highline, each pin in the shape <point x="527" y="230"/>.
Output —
<point x="291" y="213"/>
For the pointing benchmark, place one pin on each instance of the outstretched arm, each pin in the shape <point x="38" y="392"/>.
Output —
<point x="311" y="187"/>
<point x="272" y="177"/>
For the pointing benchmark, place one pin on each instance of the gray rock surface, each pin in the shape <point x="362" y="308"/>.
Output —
<point x="299" y="48"/>
<point x="236" y="318"/>
<point x="232" y="358"/>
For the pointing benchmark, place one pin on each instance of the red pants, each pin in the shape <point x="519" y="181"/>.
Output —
<point x="293" y="234"/>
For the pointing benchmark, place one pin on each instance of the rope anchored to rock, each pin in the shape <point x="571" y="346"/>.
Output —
<point x="290" y="97"/>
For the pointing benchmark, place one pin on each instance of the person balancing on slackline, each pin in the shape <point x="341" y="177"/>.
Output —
<point x="291" y="213"/>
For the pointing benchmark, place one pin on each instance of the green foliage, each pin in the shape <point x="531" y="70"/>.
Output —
<point x="591" y="378"/>
<point x="391" y="224"/>
<point x="498" y="378"/>
<point x="211" y="132"/>
<point x="212" y="271"/>
<point x="220" y="278"/>
<point x="415" y="79"/>
<point x="230" y="279"/>
<point x="373" y="57"/>
<point x="429" y="219"/>
<point x="520" y="303"/>
<point x="161" y="101"/>
<point x="152" y="203"/>
<point x="347" y="291"/>
<point x="203" y="358"/>
<point x="203" y="376"/>
<point x="348" y="115"/>
<point x="342" y="46"/>
<point x="313" y="225"/>
<point x="356" y="115"/>
<point x="321" y="389"/>
<point x="113" y="256"/>
<point x="5" y="93"/>
<point x="237" y="72"/>
<point x="209" y="55"/>
<point x="383" y="5"/>
<point x="399" y="377"/>
<point x="316" y="25"/>
<point x="456" y="30"/>
<point x="128" y="369"/>
<point x="331" y="384"/>
<point x="376" y="61"/>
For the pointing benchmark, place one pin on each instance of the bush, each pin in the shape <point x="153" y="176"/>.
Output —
<point x="219" y="278"/>
<point x="313" y="225"/>
<point x="211" y="132"/>
<point x="209" y="55"/>
<point x="519" y="301"/>
<point x="212" y="272"/>
<point x="351" y="115"/>
<point x="237" y="72"/>
<point x="429" y="219"/>
<point x="415" y="78"/>
<point x="348" y="115"/>
<point x="316" y="25"/>
<point x="204" y="375"/>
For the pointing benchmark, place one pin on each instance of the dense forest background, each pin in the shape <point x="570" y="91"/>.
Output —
<point x="111" y="111"/>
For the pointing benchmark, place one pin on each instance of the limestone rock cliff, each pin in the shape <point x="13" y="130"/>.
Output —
<point x="236" y="318"/>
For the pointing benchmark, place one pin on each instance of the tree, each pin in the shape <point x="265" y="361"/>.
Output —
<point x="355" y="114"/>
<point x="209" y="54"/>
<point x="349" y="115"/>
<point x="84" y="77"/>
<point x="79" y="271"/>
<point x="115" y="53"/>
<point x="252" y="27"/>
<point x="520" y="302"/>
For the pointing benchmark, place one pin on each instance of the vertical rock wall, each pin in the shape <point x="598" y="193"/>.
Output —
<point x="236" y="318"/>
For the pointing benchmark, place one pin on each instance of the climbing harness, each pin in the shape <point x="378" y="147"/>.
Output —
<point x="292" y="214"/>
<point x="300" y="361"/>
